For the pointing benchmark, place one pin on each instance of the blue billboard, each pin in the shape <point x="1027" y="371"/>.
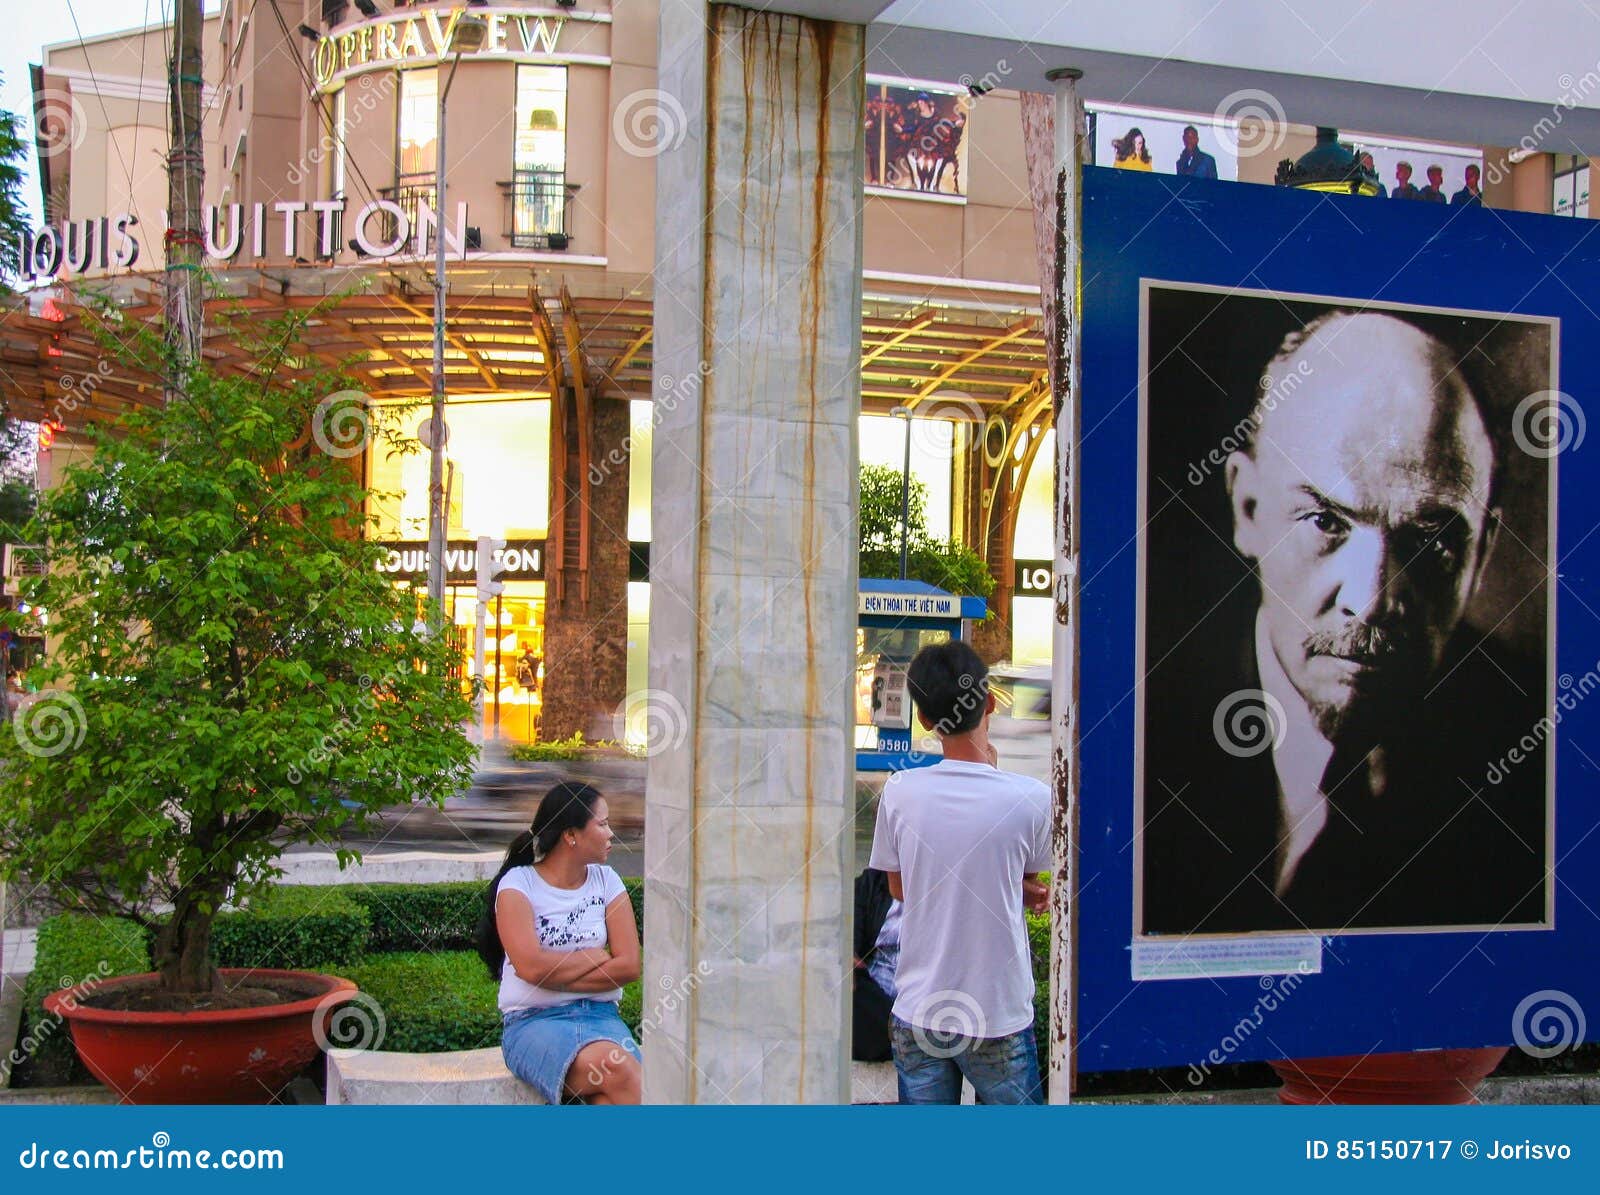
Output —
<point x="1340" y="629"/>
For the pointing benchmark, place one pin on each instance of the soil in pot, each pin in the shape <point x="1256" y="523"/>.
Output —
<point x="250" y="993"/>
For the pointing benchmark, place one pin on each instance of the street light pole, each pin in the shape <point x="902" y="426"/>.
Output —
<point x="905" y="490"/>
<point x="466" y="36"/>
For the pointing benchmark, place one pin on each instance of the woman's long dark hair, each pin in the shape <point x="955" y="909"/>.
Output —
<point x="1125" y="146"/>
<point x="567" y="806"/>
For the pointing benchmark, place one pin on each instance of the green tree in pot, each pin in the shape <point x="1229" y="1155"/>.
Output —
<point x="231" y="673"/>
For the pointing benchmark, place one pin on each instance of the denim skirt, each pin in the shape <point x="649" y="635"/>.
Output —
<point x="539" y="1044"/>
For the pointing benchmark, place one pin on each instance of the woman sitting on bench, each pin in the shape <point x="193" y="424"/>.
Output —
<point x="560" y="937"/>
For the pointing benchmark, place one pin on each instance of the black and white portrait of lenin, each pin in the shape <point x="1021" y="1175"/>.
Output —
<point x="1346" y="617"/>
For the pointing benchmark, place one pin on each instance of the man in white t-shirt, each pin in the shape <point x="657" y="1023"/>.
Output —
<point x="962" y="843"/>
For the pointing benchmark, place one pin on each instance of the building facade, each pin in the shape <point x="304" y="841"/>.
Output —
<point x="322" y="143"/>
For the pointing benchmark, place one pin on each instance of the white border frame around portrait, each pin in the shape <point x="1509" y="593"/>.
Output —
<point x="1552" y="582"/>
<point x="946" y="88"/>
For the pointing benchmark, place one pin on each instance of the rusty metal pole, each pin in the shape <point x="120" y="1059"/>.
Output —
<point x="1069" y="138"/>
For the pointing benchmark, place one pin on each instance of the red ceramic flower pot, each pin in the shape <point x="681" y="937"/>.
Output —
<point x="219" y="1056"/>
<point x="1424" y="1077"/>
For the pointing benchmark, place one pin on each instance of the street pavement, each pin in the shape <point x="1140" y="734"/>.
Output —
<point x="505" y="793"/>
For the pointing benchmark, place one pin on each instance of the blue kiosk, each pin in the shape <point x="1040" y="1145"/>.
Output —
<point x="894" y="620"/>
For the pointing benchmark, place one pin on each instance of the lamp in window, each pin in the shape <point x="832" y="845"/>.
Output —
<point x="544" y="120"/>
<point x="1328" y="166"/>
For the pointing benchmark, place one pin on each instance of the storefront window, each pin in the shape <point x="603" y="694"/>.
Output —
<point x="1032" y="614"/>
<point x="513" y="655"/>
<point x="636" y="732"/>
<point x="933" y="451"/>
<point x="640" y="426"/>
<point x="418" y="133"/>
<point x="497" y="466"/>
<point x="1571" y="190"/>
<point x="539" y="155"/>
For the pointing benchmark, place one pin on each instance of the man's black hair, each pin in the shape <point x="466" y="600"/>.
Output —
<point x="950" y="684"/>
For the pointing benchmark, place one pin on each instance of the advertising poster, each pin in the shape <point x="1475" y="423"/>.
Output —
<point x="916" y="138"/>
<point x="1338" y="735"/>
<point x="891" y="697"/>
<point x="1156" y="142"/>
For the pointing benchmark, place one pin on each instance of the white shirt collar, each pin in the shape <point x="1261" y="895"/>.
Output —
<point x="1299" y="757"/>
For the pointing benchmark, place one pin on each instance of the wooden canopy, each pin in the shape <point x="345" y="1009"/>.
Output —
<point x="511" y="332"/>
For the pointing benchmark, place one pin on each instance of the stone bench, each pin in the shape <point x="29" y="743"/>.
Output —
<point x="458" y="1077"/>
<point x="481" y="1077"/>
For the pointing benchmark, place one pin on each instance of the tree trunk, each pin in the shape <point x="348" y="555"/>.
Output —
<point x="183" y="947"/>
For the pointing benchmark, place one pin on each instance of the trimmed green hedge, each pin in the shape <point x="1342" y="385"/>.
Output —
<point x="72" y="948"/>
<point x="431" y="1002"/>
<point x="635" y="887"/>
<point x="409" y="917"/>
<point x="294" y="928"/>
<point x="631" y="1007"/>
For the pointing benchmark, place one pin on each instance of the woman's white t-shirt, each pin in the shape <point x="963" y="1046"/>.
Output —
<point x="567" y="919"/>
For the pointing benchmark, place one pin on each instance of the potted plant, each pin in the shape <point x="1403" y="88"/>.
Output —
<point x="230" y="674"/>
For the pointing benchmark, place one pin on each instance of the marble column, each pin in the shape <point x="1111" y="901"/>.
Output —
<point x="749" y="808"/>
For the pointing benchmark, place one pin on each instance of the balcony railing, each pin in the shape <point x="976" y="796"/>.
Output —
<point x="536" y="208"/>
<point x="408" y="191"/>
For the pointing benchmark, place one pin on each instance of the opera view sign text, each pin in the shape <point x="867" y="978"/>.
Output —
<point x="404" y="39"/>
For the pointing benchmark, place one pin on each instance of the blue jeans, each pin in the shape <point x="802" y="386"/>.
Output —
<point x="930" y="1064"/>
